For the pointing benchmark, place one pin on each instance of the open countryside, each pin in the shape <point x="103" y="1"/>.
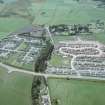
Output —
<point x="52" y="52"/>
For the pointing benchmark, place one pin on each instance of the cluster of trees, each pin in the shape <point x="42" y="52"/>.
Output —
<point x="103" y="1"/>
<point x="40" y="66"/>
<point x="80" y="28"/>
<point x="37" y="84"/>
<point x="100" y="24"/>
<point x="55" y="101"/>
<point x="77" y="0"/>
<point x="71" y="30"/>
<point x="35" y="91"/>
<point x="101" y="4"/>
<point x="45" y="55"/>
<point x="58" y="28"/>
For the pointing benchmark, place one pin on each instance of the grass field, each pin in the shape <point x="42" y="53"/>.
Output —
<point x="56" y="61"/>
<point x="15" y="88"/>
<point x="67" y="11"/>
<point x="12" y="24"/>
<point x="59" y="38"/>
<point x="62" y="11"/>
<point x="23" y="46"/>
<point x="100" y="37"/>
<point x="76" y="92"/>
<point x="59" y="61"/>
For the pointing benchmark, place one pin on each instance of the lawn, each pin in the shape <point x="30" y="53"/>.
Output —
<point x="15" y="88"/>
<point x="56" y="60"/>
<point x="59" y="61"/>
<point x="76" y="92"/>
<point x="22" y="46"/>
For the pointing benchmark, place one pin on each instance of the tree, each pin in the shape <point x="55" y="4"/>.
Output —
<point x="41" y="62"/>
<point x="56" y="101"/>
<point x="35" y="91"/>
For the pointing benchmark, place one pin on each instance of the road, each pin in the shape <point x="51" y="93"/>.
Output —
<point x="12" y="69"/>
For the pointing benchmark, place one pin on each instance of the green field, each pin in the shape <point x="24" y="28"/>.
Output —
<point x="15" y="88"/>
<point x="23" y="46"/>
<point x="100" y="37"/>
<point x="59" y="38"/>
<point x="12" y="24"/>
<point x="57" y="12"/>
<point x="59" y="61"/>
<point x="67" y="11"/>
<point x="76" y="92"/>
